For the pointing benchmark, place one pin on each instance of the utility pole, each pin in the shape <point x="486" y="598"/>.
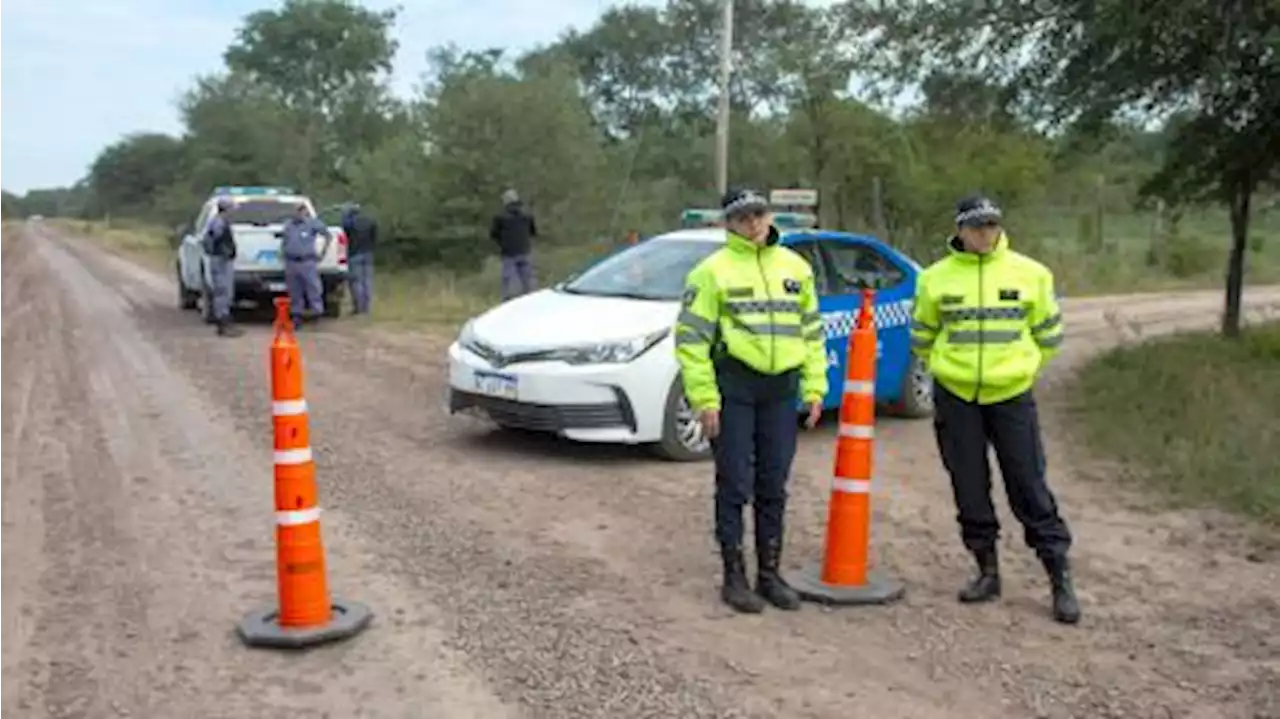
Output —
<point x="722" y="121"/>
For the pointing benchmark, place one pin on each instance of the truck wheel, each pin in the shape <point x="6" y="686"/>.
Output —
<point x="917" y="391"/>
<point x="682" y="436"/>
<point x="186" y="298"/>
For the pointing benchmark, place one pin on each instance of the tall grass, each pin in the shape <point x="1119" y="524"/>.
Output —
<point x="1196" y="416"/>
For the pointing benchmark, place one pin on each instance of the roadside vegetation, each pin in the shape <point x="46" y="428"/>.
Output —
<point x="1195" y="416"/>
<point x="1117" y="180"/>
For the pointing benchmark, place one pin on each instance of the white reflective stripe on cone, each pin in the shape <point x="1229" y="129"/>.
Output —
<point x="293" y="456"/>
<point x="288" y="407"/>
<point x="296" y="517"/>
<point x="851" y="486"/>
<point x="859" y="387"/>
<point x="858" y="431"/>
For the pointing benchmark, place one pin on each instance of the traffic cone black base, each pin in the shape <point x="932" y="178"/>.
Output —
<point x="879" y="589"/>
<point x="262" y="628"/>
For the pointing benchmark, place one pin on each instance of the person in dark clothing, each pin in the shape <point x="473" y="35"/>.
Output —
<point x="220" y="247"/>
<point x="362" y="235"/>
<point x="514" y="229"/>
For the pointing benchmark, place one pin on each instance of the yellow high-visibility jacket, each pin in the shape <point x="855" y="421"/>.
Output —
<point x="758" y="304"/>
<point x="986" y="324"/>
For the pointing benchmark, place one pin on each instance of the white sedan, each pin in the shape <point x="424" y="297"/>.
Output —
<point x="592" y="358"/>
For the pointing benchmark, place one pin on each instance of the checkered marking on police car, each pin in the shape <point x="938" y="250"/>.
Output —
<point x="890" y="314"/>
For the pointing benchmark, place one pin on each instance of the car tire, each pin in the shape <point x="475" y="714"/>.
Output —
<point x="682" y="438"/>
<point x="917" y="391"/>
<point x="187" y="299"/>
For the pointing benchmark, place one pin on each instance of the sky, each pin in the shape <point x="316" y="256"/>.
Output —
<point x="76" y="75"/>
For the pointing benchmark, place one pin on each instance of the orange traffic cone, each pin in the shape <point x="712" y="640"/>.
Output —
<point x="306" y="615"/>
<point x="844" y="576"/>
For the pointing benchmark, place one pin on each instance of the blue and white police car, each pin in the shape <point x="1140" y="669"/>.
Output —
<point x="592" y="358"/>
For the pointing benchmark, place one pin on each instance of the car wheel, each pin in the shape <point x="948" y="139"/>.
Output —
<point x="186" y="298"/>
<point x="917" y="391"/>
<point x="683" y="439"/>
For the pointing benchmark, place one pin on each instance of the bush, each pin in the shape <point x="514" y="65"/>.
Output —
<point x="1196" y="416"/>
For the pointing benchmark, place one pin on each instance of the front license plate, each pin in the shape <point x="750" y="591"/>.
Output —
<point x="495" y="384"/>
<point x="275" y="287"/>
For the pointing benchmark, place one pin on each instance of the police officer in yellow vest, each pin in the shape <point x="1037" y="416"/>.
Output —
<point x="987" y="321"/>
<point x="749" y="340"/>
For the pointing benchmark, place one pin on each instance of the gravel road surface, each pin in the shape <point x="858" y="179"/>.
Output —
<point x="521" y="576"/>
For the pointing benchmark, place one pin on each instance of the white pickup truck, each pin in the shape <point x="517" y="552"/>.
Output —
<point x="256" y="215"/>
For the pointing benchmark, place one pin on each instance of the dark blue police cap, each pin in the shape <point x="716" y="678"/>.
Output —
<point x="977" y="211"/>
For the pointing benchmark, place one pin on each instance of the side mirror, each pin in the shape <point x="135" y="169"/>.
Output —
<point x="180" y="233"/>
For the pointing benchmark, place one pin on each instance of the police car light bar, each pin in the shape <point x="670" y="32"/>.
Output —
<point x="794" y="220"/>
<point x="694" y="217"/>
<point x="231" y="190"/>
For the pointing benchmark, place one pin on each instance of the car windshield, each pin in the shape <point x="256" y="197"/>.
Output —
<point x="653" y="270"/>
<point x="260" y="212"/>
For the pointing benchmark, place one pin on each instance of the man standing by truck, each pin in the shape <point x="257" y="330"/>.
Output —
<point x="514" y="229"/>
<point x="220" y="248"/>
<point x="301" y="264"/>
<point x="362" y="235"/>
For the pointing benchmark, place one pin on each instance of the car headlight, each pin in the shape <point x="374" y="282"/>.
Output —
<point x="612" y="352"/>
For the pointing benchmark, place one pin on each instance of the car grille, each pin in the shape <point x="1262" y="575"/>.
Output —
<point x="548" y="418"/>
<point x="498" y="359"/>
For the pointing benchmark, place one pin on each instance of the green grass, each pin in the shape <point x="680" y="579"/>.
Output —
<point x="1195" y="416"/>
<point x="435" y="296"/>
<point x="146" y="244"/>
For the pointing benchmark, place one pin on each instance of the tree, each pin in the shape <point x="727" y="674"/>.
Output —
<point x="1086" y="62"/>
<point x="314" y="53"/>
<point x="126" y="175"/>
<point x="327" y="61"/>
<point x="10" y="205"/>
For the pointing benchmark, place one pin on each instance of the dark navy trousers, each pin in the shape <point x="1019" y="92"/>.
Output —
<point x="753" y="453"/>
<point x="964" y="431"/>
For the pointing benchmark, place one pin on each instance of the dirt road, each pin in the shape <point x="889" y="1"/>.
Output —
<point x="516" y="576"/>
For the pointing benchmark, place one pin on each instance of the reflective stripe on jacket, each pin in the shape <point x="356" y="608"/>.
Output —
<point x="986" y="324"/>
<point x="757" y="304"/>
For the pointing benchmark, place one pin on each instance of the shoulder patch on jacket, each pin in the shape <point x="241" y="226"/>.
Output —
<point x="1009" y="295"/>
<point x="792" y="287"/>
<point x="690" y="294"/>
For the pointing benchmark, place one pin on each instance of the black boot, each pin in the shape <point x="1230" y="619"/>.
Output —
<point x="1066" y="608"/>
<point x="769" y="583"/>
<point x="985" y="586"/>
<point x="226" y="329"/>
<point x="736" y="591"/>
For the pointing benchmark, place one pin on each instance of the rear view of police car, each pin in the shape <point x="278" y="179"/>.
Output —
<point x="256" y="215"/>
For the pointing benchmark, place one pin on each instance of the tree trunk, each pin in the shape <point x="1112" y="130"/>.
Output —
<point x="1241" y="193"/>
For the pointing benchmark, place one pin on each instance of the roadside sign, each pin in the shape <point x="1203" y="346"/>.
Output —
<point x="793" y="198"/>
